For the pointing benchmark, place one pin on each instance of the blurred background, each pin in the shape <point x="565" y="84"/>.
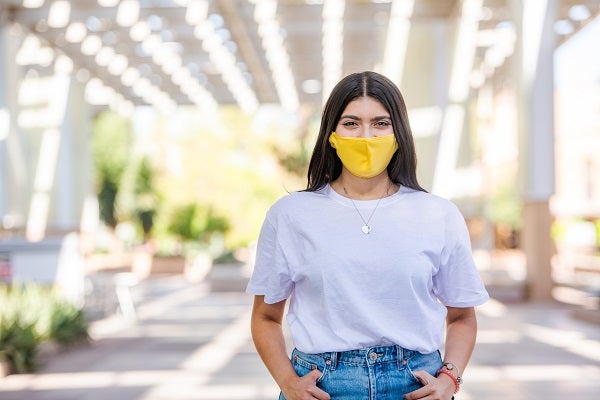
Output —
<point x="147" y="138"/>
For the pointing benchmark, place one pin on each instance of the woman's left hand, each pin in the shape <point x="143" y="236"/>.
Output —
<point x="441" y="388"/>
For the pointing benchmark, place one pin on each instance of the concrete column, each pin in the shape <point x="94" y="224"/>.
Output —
<point x="535" y="95"/>
<point x="13" y="167"/>
<point x="4" y="123"/>
<point x="73" y="170"/>
<point x="446" y="180"/>
<point x="425" y="88"/>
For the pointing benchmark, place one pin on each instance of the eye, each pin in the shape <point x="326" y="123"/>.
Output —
<point x="383" y="123"/>
<point x="349" y="123"/>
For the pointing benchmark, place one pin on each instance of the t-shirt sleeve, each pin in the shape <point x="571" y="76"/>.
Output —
<point x="271" y="275"/>
<point x="457" y="282"/>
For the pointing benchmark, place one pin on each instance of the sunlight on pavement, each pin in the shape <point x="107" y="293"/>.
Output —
<point x="207" y="361"/>
<point x="88" y="380"/>
<point x="154" y="308"/>
<point x="534" y="372"/>
<point x="572" y="341"/>
<point x="492" y="308"/>
<point x="491" y="336"/>
<point x="189" y="381"/>
<point x="181" y="384"/>
<point x="233" y="392"/>
<point x="196" y="345"/>
<point x="212" y="357"/>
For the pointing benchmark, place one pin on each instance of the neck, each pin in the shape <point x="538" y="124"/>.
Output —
<point x="364" y="188"/>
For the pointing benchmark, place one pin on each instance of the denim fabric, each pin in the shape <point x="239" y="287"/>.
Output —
<point x="377" y="373"/>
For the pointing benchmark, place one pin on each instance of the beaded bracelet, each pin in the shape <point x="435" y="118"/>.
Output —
<point x="454" y="378"/>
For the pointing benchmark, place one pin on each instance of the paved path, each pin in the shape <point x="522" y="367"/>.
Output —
<point x="190" y="342"/>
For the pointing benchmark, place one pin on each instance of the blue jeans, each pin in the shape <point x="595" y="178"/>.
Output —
<point x="377" y="373"/>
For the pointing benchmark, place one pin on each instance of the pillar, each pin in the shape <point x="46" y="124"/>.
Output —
<point x="535" y="96"/>
<point x="4" y="122"/>
<point x="74" y="167"/>
<point x="13" y="166"/>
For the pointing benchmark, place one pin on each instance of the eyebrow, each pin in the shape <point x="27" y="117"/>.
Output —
<point x="356" y="118"/>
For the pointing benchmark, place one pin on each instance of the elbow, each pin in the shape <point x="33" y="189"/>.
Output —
<point x="463" y="316"/>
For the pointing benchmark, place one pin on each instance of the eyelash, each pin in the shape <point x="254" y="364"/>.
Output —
<point x="378" y="123"/>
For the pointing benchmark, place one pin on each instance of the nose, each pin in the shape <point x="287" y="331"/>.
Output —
<point x="366" y="132"/>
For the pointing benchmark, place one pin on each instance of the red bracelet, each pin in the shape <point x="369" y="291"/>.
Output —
<point x="455" y="379"/>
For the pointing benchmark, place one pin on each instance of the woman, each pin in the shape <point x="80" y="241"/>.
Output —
<point x="378" y="272"/>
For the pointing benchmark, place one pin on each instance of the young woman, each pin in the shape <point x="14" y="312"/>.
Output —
<point x="378" y="272"/>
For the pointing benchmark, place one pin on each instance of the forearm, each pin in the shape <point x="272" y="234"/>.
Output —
<point x="270" y="344"/>
<point x="461" y="333"/>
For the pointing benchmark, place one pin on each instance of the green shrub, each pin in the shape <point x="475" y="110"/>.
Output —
<point x="188" y="222"/>
<point x="195" y="222"/>
<point x="19" y="344"/>
<point x="68" y="325"/>
<point x="31" y="314"/>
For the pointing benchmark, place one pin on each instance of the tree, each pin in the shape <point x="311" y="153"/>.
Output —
<point x="146" y="199"/>
<point x="111" y="144"/>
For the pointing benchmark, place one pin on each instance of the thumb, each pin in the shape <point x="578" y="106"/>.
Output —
<point x="423" y="376"/>
<point x="315" y="374"/>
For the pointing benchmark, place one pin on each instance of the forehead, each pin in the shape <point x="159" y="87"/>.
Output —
<point x="365" y="105"/>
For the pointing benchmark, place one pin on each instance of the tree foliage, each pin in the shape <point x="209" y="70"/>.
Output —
<point x="111" y="145"/>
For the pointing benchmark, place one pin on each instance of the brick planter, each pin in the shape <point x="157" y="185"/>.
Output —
<point x="4" y="369"/>
<point x="167" y="265"/>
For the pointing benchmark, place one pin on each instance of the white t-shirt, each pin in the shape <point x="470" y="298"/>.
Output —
<point x="349" y="290"/>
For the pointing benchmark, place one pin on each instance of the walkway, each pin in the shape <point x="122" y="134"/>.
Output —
<point x="191" y="342"/>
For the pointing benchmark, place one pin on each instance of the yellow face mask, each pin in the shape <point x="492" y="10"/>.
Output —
<point x="364" y="157"/>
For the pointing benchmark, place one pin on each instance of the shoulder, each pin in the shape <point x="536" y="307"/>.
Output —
<point x="296" y="202"/>
<point x="431" y="202"/>
<point x="437" y="209"/>
<point x="295" y="199"/>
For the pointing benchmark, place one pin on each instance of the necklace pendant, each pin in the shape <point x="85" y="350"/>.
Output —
<point x="366" y="229"/>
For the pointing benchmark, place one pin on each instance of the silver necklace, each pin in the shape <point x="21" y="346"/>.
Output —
<point x="366" y="228"/>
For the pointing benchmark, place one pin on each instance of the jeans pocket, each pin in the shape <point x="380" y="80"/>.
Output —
<point x="430" y="362"/>
<point x="304" y="364"/>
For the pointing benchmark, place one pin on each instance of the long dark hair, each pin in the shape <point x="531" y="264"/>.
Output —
<point x="325" y="166"/>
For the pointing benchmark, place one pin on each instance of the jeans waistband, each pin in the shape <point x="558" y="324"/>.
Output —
<point x="367" y="356"/>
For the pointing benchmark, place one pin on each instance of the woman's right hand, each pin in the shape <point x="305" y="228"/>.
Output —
<point x="267" y="334"/>
<point x="305" y="388"/>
